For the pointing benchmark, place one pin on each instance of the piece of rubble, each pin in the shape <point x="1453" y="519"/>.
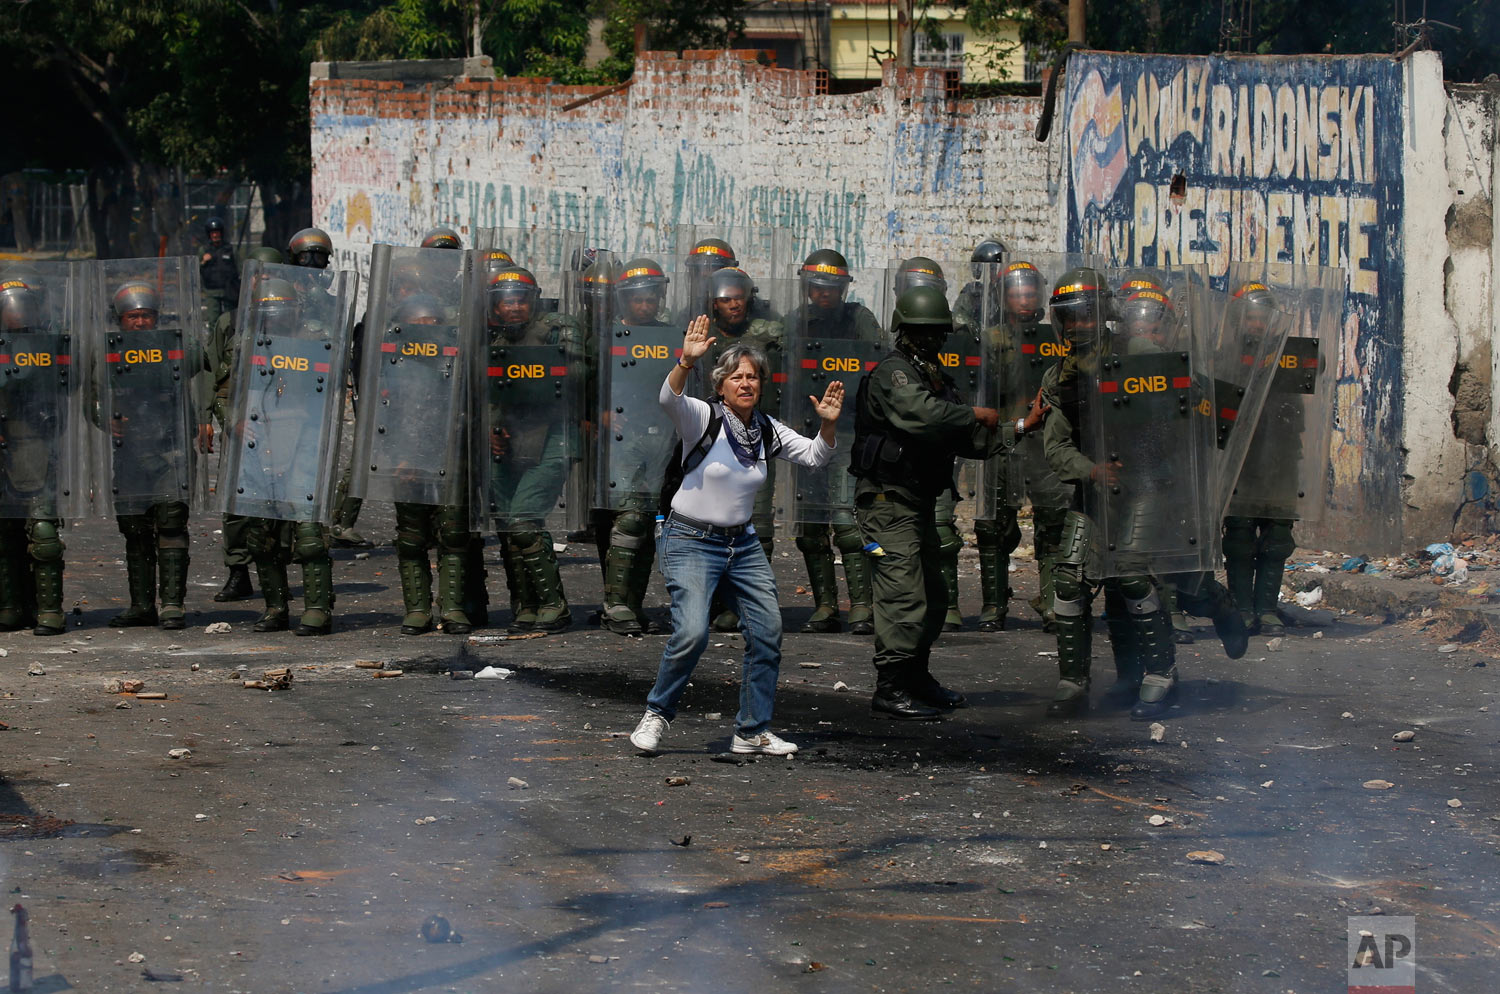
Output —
<point x="493" y="673"/>
<point x="810" y="666"/>
<point x="179" y="753"/>
<point x="1404" y="736"/>
<point x="218" y="628"/>
<point x="1158" y="731"/>
<point x="1455" y="803"/>
<point x="1157" y="821"/>
<point x="1377" y="785"/>
<point x="1275" y="644"/>
<point x="678" y="781"/>
<point x="840" y="685"/>
<point x="1449" y="647"/>
<point x="386" y="674"/>
<point x="152" y="695"/>
<point x="36" y="669"/>
<point x="369" y="664"/>
<point x="1211" y="857"/>
<point x="516" y="783"/>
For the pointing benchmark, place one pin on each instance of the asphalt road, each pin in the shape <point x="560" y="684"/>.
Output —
<point x="310" y="832"/>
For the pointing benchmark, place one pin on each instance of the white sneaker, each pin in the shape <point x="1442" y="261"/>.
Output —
<point x="766" y="744"/>
<point x="647" y="735"/>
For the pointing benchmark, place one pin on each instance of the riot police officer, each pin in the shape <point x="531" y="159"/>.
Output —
<point x="909" y="427"/>
<point x="218" y="272"/>
<point x="969" y="309"/>
<point x="237" y="559"/>
<point x="31" y="545"/>
<point x="636" y="450"/>
<point x="825" y="313"/>
<point x="533" y="446"/>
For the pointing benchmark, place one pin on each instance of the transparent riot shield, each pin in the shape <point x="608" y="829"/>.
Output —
<point x="1252" y="330"/>
<point x="835" y="332"/>
<point x="422" y="332"/>
<point x="636" y="351"/>
<point x="147" y="383"/>
<point x="1284" y="473"/>
<point x="286" y="399"/>
<point x="762" y="251"/>
<point x="531" y="383"/>
<point x="1145" y="421"/>
<point x="44" y="461"/>
<point x="1019" y="348"/>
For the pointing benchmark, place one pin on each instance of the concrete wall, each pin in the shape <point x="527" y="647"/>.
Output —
<point x="704" y="138"/>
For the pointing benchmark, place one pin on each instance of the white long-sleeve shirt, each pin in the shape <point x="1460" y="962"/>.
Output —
<point x="721" y="490"/>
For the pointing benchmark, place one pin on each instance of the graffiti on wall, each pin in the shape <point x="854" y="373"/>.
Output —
<point x="1187" y="161"/>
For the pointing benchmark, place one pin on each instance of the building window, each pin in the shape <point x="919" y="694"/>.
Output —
<point x="1037" y="60"/>
<point x="945" y="54"/>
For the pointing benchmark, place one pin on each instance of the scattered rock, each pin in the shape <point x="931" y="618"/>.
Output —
<point x="596" y="958"/>
<point x="1347" y="714"/>
<point x="200" y="817"/>
<point x="195" y="667"/>
<point x="361" y="555"/>
<point x="428" y="820"/>
<point x="493" y="673"/>
<point x="1268" y="783"/>
<point x="678" y="781"/>
<point x="36" y="669"/>
<point x="811" y="666"/>
<point x="516" y="783"/>
<point x="1450" y="647"/>
<point x="1158" y="731"/>
<point x="1274" y="645"/>
<point x="1157" y="821"/>
<point x="218" y="628"/>
<point x="1105" y="846"/>
<point x="1455" y="803"/>
<point x="841" y="685"/>
<point x="137" y="957"/>
<point x="179" y="753"/>
<point x="123" y="706"/>
<point x="713" y="716"/>
<point x="1377" y="785"/>
<point x="1211" y="857"/>
<point x="1317" y="635"/>
<point x="742" y="858"/>
<point x="1405" y="736"/>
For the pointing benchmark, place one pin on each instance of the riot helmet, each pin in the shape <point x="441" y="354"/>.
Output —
<point x="1149" y="314"/>
<point x="443" y="238"/>
<point x="135" y="305"/>
<point x="710" y="254"/>
<point x="275" y="300"/>
<point x="310" y="247"/>
<point x="1078" y="307"/>
<point x="1021" y="287"/>
<point x="214" y="229"/>
<point x="582" y="258"/>
<point x="988" y="251"/>
<point x="420" y="308"/>
<point x="596" y="283"/>
<point x="825" y="279"/>
<point x="513" y="293"/>
<point x="639" y="290"/>
<point x="730" y="295"/>
<point x="496" y="260"/>
<point x="919" y="271"/>
<point x="268" y="254"/>
<point x="1251" y="306"/>
<point x="922" y="320"/>
<point x="1141" y="279"/>
<point x="20" y="309"/>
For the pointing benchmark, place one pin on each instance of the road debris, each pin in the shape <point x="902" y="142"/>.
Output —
<point x="1157" y="821"/>
<point x="179" y="753"/>
<point x="1274" y="645"/>
<point x="678" y="781"/>
<point x="811" y="666"/>
<point x="1377" y="785"/>
<point x="1450" y="647"/>
<point x="1404" y="736"/>
<point x="36" y="669"/>
<point x="840" y="685"/>
<point x="386" y="674"/>
<point x="369" y="664"/>
<point x="277" y="679"/>
<point x="218" y="628"/>
<point x="1210" y="857"/>
<point x="152" y="695"/>
<point x="516" y="783"/>
<point x="436" y="929"/>
<point x="1158" y="731"/>
<point x="136" y="957"/>
<point x="1455" y="803"/>
<point x="494" y="673"/>
<point x="687" y="840"/>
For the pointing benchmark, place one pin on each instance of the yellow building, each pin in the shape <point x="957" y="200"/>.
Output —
<point x="863" y="33"/>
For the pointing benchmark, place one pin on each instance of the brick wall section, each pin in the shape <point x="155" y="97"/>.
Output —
<point x="703" y="138"/>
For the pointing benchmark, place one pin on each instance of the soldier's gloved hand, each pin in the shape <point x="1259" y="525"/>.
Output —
<point x="987" y="416"/>
<point x="500" y="443"/>
<point x="206" y="437"/>
<point x="1106" y="473"/>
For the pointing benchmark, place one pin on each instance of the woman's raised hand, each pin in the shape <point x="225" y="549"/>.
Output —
<point x="832" y="403"/>
<point x="695" y="342"/>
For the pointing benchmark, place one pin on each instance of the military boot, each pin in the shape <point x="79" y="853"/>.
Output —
<point x="618" y="616"/>
<point x="273" y="588"/>
<point x="342" y="530"/>
<point x="476" y="603"/>
<point x="1159" y="656"/>
<point x="451" y="593"/>
<point x="140" y="575"/>
<point x="416" y="595"/>
<point x="1075" y="636"/>
<point x="925" y="689"/>
<point x="49" y="599"/>
<point x="857" y="576"/>
<point x="518" y="583"/>
<point x="317" y="598"/>
<point x="954" y="620"/>
<point x="640" y="583"/>
<point x="1126" y="648"/>
<point x="893" y="697"/>
<point x="173" y="566"/>
<point x="539" y="562"/>
<point x="13" y="613"/>
<point x="992" y="584"/>
<point x="1239" y="574"/>
<point x="1267" y="593"/>
<point x="237" y="587"/>
<point x="824" y="583"/>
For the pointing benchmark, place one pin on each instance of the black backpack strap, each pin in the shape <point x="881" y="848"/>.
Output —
<point x="692" y="457"/>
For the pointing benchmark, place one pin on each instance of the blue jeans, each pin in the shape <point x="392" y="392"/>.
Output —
<point x="693" y="563"/>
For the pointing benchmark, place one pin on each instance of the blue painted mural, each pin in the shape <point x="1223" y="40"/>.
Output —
<point x="1292" y="160"/>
